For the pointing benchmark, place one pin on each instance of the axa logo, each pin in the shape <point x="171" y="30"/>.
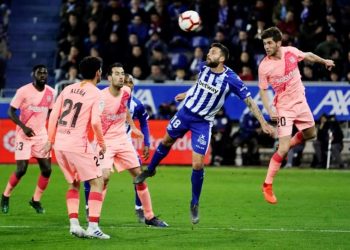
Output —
<point x="336" y="102"/>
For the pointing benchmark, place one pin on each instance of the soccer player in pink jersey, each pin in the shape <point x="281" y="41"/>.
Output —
<point x="35" y="101"/>
<point x="77" y="108"/>
<point x="120" y="151"/>
<point x="280" y="69"/>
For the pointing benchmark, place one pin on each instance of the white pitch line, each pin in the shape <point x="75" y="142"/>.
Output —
<point x="200" y="228"/>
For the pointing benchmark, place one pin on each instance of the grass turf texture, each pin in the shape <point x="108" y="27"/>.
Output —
<point x="312" y="212"/>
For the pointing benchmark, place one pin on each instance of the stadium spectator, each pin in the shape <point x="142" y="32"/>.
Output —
<point x="244" y="44"/>
<point x="247" y="135"/>
<point x="198" y="58"/>
<point x="220" y="139"/>
<point x="91" y="41"/>
<point x="157" y="74"/>
<point x="311" y="29"/>
<point x="115" y="25"/>
<point x="113" y="50"/>
<point x="289" y="25"/>
<point x="161" y="58"/>
<point x="116" y="6"/>
<point x="155" y="42"/>
<point x="180" y="75"/>
<point x="94" y="11"/>
<point x="73" y="58"/>
<point x="280" y="11"/>
<point x="138" y="73"/>
<point x="224" y="16"/>
<point x="140" y="28"/>
<point x="308" y="73"/>
<point x="337" y="136"/>
<point x="72" y="75"/>
<point x="246" y="74"/>
<point x="72" y="25"/>
<point x="137" y="57"/>
<point x="321" y="143"/>
<point x="72" y="6"/>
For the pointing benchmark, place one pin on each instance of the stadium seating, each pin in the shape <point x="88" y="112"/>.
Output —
<point x="32" y="31"/>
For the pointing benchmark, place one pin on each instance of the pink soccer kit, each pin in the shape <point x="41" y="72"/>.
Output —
<point x="34" y="106"/>
<point x="120" y="150"/>
<point x="290" y="101"/>
<point x="77" y="108"/>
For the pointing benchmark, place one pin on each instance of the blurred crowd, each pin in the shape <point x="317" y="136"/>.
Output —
<point x="145" y="37"/>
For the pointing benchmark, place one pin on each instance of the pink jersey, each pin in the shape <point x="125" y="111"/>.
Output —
<point x="77" y="108"/>
<point x="114" y="114"/>
<point x="34" y="106"/>
<point x="284" y="76"/>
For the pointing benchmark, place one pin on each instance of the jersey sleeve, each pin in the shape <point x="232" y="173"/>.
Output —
<point x="55" y="113"/>
<point x="300" y="54"/>
<point x="263" y="82"/>
<point x="238" y="87"/>
<point x="96" y="124"/>
<point x="17" y="99"/>
<point x="52" y="103"/>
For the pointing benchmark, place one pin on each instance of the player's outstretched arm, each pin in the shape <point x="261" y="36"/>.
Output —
<point x="311" y="57"/>
<point x="133" y="127"/>
<point x="266" y="103"/>
<point x="268" y="129"/>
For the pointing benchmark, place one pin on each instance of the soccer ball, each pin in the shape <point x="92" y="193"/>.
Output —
<point x="189" y="20"/>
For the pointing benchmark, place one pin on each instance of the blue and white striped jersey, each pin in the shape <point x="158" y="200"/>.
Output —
<point x="137" y="111"/>
<point x="207" y="96"/>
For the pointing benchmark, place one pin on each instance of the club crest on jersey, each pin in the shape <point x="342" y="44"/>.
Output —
<point x="101" y="105"/>
<point x="49" y="98"/>
<point x="201" y="140"/>
<point x="208" y="87"/>
<point x="292" y="59"/>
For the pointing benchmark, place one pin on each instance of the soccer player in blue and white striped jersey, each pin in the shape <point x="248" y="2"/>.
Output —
<point x="202" y="101"/>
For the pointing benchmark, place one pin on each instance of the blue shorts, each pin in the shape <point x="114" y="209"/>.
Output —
<point x="184" y="121"/>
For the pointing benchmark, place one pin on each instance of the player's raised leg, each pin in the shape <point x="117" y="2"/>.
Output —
<point x="160" y="153"/>
<point x="274" y="166"/>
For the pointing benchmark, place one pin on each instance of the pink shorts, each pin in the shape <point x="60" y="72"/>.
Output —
<point x="78" y="166"/>
<point x="300" y="115"/>
<point x="122" y="154"/>
<point x="27" y="148"/>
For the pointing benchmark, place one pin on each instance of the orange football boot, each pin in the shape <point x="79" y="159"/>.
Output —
<point x="268" y="193"/>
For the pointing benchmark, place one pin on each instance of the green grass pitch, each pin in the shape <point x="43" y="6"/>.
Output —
<point x="313" y="212"/>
